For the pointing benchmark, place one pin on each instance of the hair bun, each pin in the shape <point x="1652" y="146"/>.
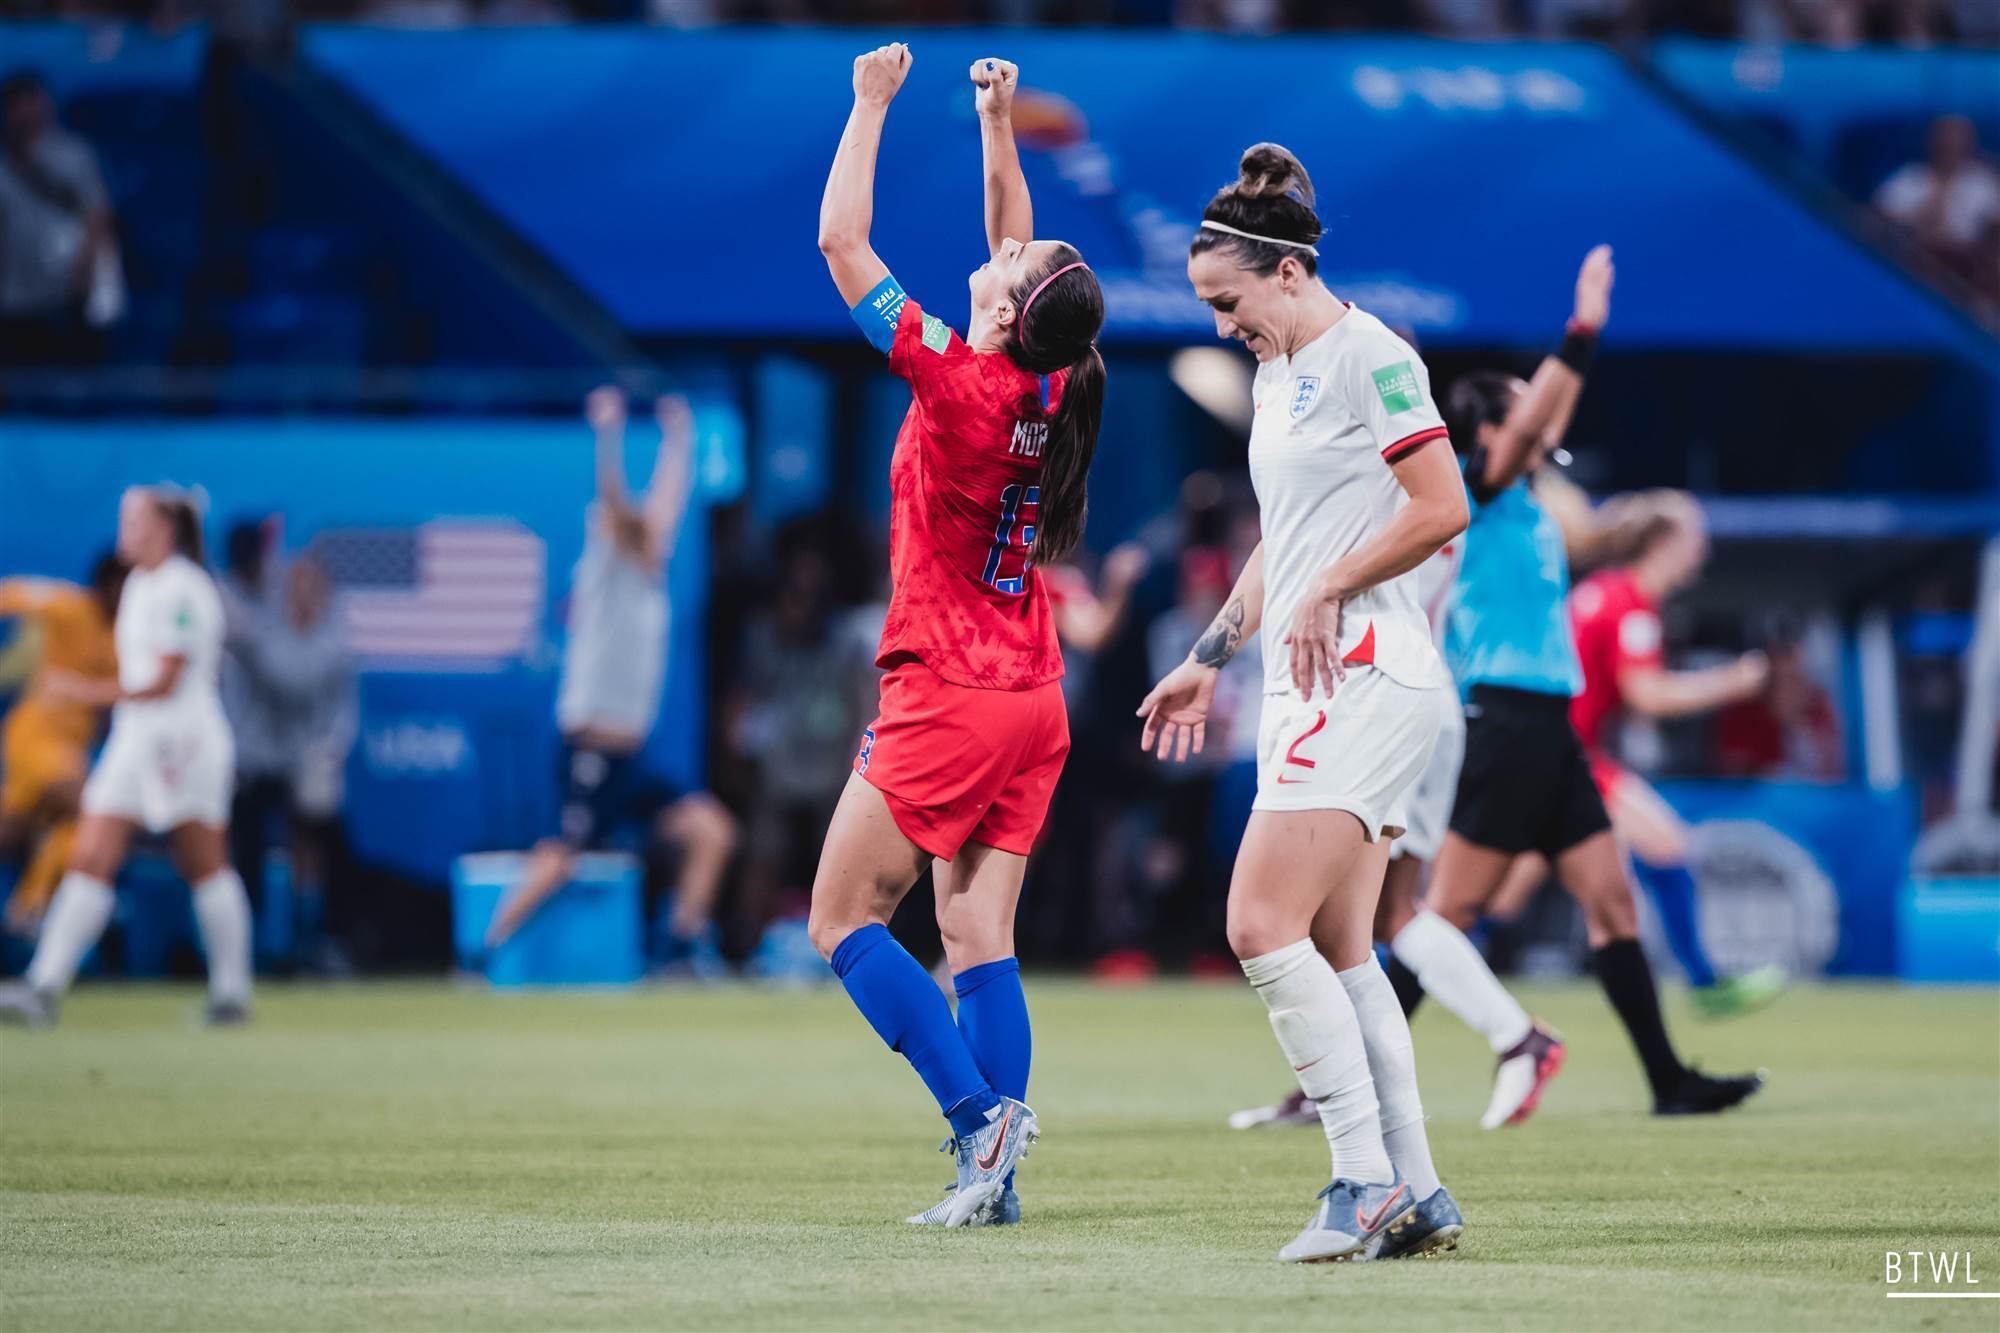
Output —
<point x="1269" y="170"/>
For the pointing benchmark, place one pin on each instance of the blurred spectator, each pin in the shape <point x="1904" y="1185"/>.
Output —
<point x="1950" y="203"/>
<point x="1789" y="731"/>
<point x="614" y="668"/>
<point x="1237" y="16"/>
<point x="1473" y="19"/>
<point x="1087" y="618"/>
<point x="60" y="277"/>
<point x="796" y="717"/>
<point x="294" y="712"/>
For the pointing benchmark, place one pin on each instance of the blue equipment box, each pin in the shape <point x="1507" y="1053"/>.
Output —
<point x="587" y="934"/>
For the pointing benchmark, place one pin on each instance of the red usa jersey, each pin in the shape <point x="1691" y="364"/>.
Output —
<point x="1615" y="625"/>
<point x="964" y="500"/>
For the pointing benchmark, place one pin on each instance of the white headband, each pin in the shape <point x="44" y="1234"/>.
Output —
<point x="1267" y="240"/>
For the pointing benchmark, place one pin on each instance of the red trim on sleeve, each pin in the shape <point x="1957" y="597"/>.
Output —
<point x="1411" y="442"/>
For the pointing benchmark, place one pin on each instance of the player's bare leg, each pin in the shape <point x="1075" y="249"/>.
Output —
<point x="706" y="834"/>
<point x="1657" y="839"/>
<point x="76" y="919"/>
<point x="1529" y="872"/>
<point x="550" y="865"/>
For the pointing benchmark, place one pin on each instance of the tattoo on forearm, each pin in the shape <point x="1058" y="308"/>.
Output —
<point x="1224" y="635"/>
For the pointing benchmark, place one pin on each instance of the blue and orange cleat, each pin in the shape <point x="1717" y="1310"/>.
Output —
<point x="1353" y="1215"/>
<point x="1002" y="1210"/>
<point x="981" y="1195"/>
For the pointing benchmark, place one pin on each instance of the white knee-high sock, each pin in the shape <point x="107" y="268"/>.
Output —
<point x="1320" y="1035"/>
<point x="77" y="917"/>
<point x="1452" y="970"/>
<point x="222" y="910"/>
<point x="1393" y="1064"/>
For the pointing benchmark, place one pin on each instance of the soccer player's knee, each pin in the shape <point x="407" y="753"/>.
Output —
<point x="1252" y="933"/>
<point x="704" y="822"/>
<point x="1464" y="915"/>
<point x="1609" y="914"/>
<point x="826" y="933"/>
<point x="968" y="942"/>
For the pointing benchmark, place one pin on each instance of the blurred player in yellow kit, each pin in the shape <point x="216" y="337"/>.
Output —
<point x="46" y="742"/>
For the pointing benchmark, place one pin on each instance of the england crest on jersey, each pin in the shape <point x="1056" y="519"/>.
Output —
<point x="1305" y="392"/>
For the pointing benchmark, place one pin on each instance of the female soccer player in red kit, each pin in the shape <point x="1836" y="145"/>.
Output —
<point x="987" y="482"/>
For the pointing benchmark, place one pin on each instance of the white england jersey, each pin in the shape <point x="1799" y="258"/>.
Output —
<point x="171" y="610"/>
<point x="1329" y="420"/>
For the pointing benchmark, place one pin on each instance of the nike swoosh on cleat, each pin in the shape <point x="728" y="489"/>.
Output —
<point x="999" y="1143"/>
<point x="1369" y="1224"/>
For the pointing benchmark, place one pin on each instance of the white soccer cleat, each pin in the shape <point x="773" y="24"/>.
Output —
<point x="1525" y="1069"/>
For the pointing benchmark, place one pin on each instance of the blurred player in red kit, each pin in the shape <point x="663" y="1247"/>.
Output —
<point x="1615" y="615"/>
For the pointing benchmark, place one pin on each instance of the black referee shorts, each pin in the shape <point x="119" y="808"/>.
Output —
<point x="1525" y="785"/>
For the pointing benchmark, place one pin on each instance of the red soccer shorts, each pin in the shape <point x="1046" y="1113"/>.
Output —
<point x="961" y="765"/>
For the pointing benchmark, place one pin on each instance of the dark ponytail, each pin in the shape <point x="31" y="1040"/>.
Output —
<point x="1272" y="196"/>
<point x="1478" y="398"/>
<point x="1057" y="331"/>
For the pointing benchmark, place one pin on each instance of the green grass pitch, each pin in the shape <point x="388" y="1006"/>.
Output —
<point x="415" y="1157"/>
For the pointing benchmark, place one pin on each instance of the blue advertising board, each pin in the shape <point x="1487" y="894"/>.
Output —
<point x="677" y="175"/>
<point x="456" y="754"/>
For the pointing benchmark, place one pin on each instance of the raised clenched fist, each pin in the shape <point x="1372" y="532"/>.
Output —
<point x="878" y="74"/>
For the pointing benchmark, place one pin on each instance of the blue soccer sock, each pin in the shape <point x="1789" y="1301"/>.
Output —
<point x="1673" y="893"/>
<point x="993" y="1015"/>
<point x="902" y="1004"/>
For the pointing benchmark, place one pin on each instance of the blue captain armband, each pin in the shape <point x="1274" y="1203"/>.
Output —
<point x="878" y="312"/>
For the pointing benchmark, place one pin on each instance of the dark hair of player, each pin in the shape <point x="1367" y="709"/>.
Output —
<point x="1479" y="398"/>
<point x="1272" y="197"/>
<point x="185" y="520"/>
<point x="107" y="579"/>
<point x="1058" y="331"/>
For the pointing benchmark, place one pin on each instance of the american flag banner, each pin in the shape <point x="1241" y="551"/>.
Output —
<point x="453" y="595"/>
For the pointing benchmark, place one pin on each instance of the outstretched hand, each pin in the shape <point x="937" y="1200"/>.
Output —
<point x="1176" y="712"/>
<point x="675" y="418"/>
<point x="604" y="408"/>
<point x="879" y="74"/>
<point x="995" y="80"/>
<point x="1593" y="288"/>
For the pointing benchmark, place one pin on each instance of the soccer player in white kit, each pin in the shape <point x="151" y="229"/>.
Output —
<point x="1428" y="954"/>
<point x="1355" y="488"/>
<point x="167" y="768"/>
